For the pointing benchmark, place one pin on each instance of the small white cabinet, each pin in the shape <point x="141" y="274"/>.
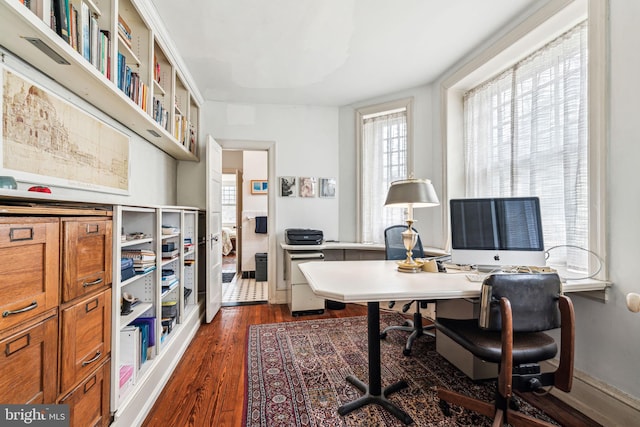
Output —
<point x="300" y="297"/>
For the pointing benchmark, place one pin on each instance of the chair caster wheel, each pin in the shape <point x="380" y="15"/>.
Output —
<point x="406" y="352"/>
<point x="445" y="407"/>
<point x="513" y="405"/>
<point x="383" y="335"/>
<point x="406" y="324"/>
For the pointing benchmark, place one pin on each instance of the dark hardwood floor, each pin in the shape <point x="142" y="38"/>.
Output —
<point x="207" y="387"/>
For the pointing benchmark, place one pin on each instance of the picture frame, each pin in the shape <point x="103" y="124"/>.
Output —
<point x="259" y="186"/>
<point x="288" y="186"/>
<point x="307" y="186"/>
<point x="327" y="188"/>
<point x="88" y="154"/>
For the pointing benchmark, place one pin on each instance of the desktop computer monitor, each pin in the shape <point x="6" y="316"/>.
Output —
<point x="497" y="232"/>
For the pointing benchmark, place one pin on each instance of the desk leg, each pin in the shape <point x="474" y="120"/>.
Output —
<point x="373" y="392"/>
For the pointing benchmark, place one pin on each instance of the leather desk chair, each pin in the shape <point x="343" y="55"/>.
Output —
<point x="395" y="250"/>
<point x="515" y="309"/>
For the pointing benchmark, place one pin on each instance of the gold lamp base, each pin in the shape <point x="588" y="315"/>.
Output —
<point x="409" y="239"/>
<point x="405" y="267"/>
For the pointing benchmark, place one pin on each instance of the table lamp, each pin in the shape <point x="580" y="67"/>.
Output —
<point x="411" y="193"/>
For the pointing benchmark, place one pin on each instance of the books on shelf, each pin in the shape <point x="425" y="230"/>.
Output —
<point x="124" y="31"/>
<point x="171" y="254"/>
<point x="139" y="254"/>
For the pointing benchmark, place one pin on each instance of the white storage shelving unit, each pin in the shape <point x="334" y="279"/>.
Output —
<point x="131" y="400"/>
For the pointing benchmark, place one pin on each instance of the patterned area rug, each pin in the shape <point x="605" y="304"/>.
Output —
<point x="296" y="376"/>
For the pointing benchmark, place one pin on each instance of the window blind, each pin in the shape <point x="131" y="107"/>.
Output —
<point x="526" y="134"/>
<point x="384" y="160"/>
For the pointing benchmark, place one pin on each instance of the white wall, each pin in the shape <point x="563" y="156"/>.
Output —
<point x="306" y="144"/>
<point x="608" y="335"/>
<point x="254" y="166"/>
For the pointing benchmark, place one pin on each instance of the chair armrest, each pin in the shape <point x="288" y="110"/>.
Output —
<point x="564" y="373"/>
<point x="506" y="365"/>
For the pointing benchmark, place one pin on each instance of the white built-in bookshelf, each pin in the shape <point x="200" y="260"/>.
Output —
<point x="167" y="295"/>
<point x="111" y="54"/>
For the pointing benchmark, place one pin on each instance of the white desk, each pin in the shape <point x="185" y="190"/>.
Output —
<point x="375" y="281"/>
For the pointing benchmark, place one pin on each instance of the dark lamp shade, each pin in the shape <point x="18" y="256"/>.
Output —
<point x="418" y="193"/>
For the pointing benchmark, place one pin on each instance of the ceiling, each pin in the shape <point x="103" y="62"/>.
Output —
<point x="326" y="52"/>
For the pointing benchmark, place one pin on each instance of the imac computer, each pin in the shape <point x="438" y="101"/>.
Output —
<point x="497" y="232"/>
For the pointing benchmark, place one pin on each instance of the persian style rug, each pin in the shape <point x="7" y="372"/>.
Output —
<point x="296" y="376"/>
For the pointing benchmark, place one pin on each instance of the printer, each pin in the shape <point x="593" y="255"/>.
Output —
<point x="303" y="236"/>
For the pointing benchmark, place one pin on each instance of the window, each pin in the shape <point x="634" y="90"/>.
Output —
<point x="229" y="203"/>
<point x="384" y="150"/>
<point x="526" y="134"/>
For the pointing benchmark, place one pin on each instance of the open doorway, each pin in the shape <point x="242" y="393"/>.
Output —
<point x="245" y="242"/>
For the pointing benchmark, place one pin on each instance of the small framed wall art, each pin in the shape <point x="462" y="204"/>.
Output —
<point x="327" y="187"/>
<point x="288" y="187"/>
<point x="259" y="186"/>
<point x="307" y="186"/>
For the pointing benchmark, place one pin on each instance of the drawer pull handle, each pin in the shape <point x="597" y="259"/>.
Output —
<point x="95" y="282"/>
<point x="20" y="234"/>
<point x="90" y="361"/>
<point x="92" y="228"/>
<point x="22" y="310"/>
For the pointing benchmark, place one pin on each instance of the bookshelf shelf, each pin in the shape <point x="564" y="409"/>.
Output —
<point x="28" y="34"/>
<point x="93" y="7"/>
<point x="158" y="88"/>
<point x="138" y="310"/>
<point x="135" y="242"/>
<point x="132" y="58"/>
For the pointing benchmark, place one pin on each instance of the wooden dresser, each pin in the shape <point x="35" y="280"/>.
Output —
<point x="55" y="300"/>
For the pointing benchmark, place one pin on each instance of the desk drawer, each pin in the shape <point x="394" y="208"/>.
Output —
<point x="89" y="401"/>
<point x="86" y="338"/>
<point x="86" y="256"/>
<point x="29" y="362"/>
<point x="29" y="268"/>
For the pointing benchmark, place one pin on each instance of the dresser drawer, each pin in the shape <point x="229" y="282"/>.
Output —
<point x="86" y="256"/>
<point x="86" y="338"/>
<point x="29" y="268"/>
<point x="28" y="362"/>
<point x="89" y="401"/>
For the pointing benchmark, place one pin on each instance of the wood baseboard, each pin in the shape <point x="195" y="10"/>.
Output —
<point x="599" y="401"/>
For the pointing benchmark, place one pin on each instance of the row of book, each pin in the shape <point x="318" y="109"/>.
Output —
<point x="79" y="28"/>
<point x="130" y="83"/>
<point x="160" y="114"/>
<point x="144" y="260"/>
<point x="181" y="129"/>
<point x="137" y="342"/>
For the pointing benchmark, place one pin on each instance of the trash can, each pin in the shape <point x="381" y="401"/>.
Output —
<point x="261" y="267"/>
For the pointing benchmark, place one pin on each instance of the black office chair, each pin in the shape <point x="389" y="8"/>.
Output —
<point x="395" y="250"/>
<point x="515" y="310"/>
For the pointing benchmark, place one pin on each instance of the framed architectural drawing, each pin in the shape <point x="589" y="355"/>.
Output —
<point x="259" y="186"/>
<point x="47" y="140"/>
<point x="307" y="187"/>
<point x="327" y="187"/>
<point x="288" y="186"/>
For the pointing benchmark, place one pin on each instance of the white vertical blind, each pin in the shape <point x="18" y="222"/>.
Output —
<point x="526" y="134"/>
<point x="384" y="160"/>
